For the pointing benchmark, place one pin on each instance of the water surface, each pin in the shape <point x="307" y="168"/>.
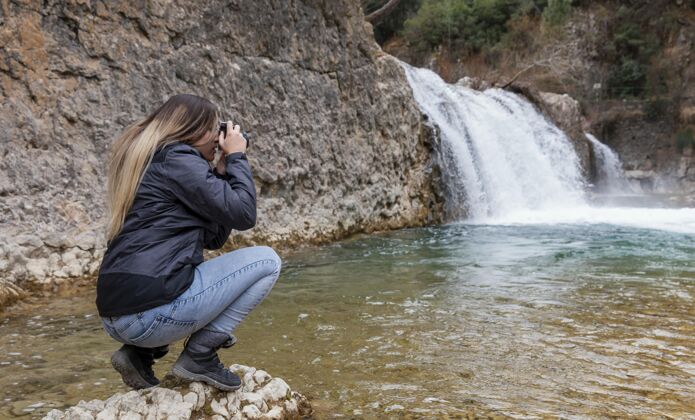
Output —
<point x="573" y="320"/>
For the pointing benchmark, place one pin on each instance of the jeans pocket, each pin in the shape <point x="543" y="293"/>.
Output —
<point x="163" y="330"/>
<point x="122" y="324"/>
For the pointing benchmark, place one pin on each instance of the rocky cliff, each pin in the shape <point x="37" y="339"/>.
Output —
<point x="338" y="143"/>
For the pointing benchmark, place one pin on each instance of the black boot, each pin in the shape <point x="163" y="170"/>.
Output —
<point x="199" y="361"/>
<point x="159" y="352"/>
<point x="135" y="365"/>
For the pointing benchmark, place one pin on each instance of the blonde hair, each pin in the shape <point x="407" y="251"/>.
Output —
<point x="183" y="118"/>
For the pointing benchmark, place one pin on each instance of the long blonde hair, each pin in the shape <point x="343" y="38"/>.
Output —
<point x="183" y="118"/>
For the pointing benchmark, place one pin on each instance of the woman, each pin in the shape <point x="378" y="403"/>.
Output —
<point x="167" y="204"/>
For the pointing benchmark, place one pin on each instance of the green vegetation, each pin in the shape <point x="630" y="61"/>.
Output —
<point x="557" y="12"/>
<point x="512" y="34"/>
<point x="472" y="25"/>
<point x="630" y="49"/>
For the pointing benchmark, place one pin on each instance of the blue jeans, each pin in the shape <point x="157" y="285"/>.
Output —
<point x="224" y="290"/>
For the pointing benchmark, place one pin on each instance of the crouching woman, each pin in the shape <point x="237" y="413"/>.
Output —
<point x="166" y="205"/>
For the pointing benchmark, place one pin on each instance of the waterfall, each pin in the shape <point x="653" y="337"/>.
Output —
<point x="609" y="170"/>
<point x="498" y="154"/>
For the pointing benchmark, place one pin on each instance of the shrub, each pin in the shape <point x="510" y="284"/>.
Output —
<point x="557" y="12"/>
<point x="627" y="79"/>
<point x="474" y="24"/>
<point x="434" y="22"/>
<point x="630" y="49"/>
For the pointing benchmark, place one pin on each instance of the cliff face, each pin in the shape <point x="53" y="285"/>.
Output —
<point x="338" y="143"/>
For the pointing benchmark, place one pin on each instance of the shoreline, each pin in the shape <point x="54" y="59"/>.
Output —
<point x="12" y="294"/>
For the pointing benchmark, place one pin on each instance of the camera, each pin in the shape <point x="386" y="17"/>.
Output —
<point x="244" y="134"/>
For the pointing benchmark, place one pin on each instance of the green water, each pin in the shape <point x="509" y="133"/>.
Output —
<point x="566" y="320"/>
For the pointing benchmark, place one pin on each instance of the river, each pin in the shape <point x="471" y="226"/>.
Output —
<point x="576" y="320"/>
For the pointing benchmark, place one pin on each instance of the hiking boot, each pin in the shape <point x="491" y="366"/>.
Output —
<point x="229" y="342"/>
<point x="205" y="367"/>
<point x="199" y="360"/>
<point x="159" y="352"/>
<point x="135" y="366"/>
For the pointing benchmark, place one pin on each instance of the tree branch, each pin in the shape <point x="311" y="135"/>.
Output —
<point x="378" y="15"/>
<point x="527" y="68"/>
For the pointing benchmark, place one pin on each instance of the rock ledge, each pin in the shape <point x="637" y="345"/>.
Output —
<point x="260" y="397"/>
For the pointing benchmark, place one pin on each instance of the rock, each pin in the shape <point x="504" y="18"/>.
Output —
<point x="107" y="413"/>
<point x="687" y="114"/>
<point x="77" y="413"/>
<point x="251" y="412"/>
<point x="192" y="398"/>
<point x="202" y="393"/>
<point x="169" y="404"/>
<point x="233" y="402"/>
<point x="275" y="400"/>
<point x="54" y="415"/>
<point x="275" y="414"/>
<point x="275" y="390"/>
<point x="38" y="268"/>
<point x="394" y="407"/>
<point x="130" y="402"/>
<point x="565" y="111"/>
<point x="333" y="118"/>
<point x="261" y="377"/>
<point x="218" y="407"/>
<point x="291" y="407"/>
<point x="93" y="405"/>
<point x="254" y="399"/>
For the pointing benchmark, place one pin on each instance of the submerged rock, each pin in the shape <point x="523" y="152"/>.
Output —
<point x="260" y="397"/>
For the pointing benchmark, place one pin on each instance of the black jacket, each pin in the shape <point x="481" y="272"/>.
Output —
<point x="181" y="207"/>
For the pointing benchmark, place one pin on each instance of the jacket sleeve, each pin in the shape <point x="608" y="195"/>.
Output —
<point x="219" y="175"/>
<point x="230" y="203"/>
<point x="215" y="240"/>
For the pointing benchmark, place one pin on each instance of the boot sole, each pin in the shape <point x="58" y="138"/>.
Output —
<point x="129" y="374"/>
<point x="190" y="376"/>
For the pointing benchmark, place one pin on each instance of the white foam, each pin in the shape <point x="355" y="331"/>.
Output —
<point x="679" y="220"/>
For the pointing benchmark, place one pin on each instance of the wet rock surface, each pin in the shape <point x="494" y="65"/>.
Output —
<point x="260" y="397"/>
<point x="337" y="146"/>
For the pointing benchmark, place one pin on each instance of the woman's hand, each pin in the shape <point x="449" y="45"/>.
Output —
<point x="234" y="142"/>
